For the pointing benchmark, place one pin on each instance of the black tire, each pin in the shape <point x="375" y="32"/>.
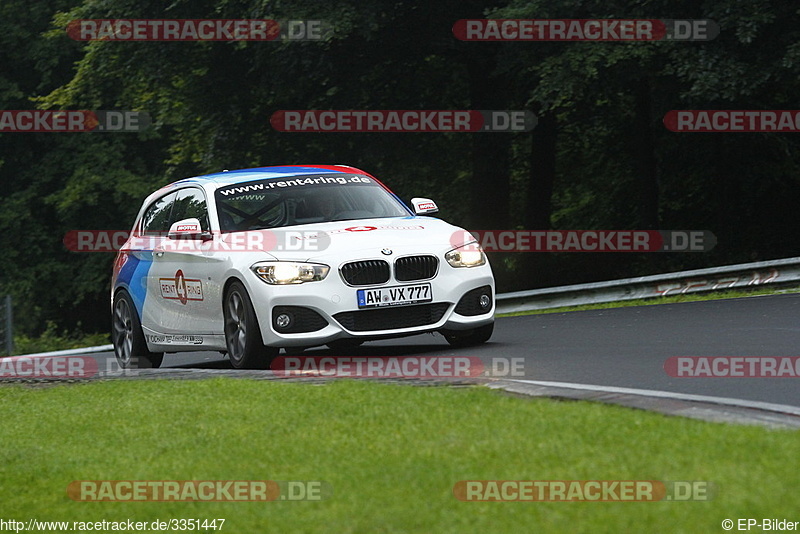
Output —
<point x="130" y="347"/>
<point x="345" y="344"/>
<point x="469" y="338"/>
<point x="242" y="334"/>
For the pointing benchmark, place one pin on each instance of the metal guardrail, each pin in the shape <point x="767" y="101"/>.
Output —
<point x="71" y="352"/>
<point x="658" y="285"/>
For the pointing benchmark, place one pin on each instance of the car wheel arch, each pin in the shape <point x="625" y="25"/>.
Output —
<point x="139" y="354"/>
<point x="116" y="293"/>
<point x="224" y="294"/>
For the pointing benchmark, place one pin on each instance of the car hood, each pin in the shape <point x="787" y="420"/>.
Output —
<point x="366" y="238"/>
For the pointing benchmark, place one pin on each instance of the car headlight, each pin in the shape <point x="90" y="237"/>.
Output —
<point x="290" y="272"/>
<point x="469" y="255"/>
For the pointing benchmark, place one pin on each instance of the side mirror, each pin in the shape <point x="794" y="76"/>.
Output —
<point x="188" y="229"/>
<point x="424" y="206"/>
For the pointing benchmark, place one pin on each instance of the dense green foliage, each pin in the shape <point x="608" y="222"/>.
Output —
<point x="600" y="157"/>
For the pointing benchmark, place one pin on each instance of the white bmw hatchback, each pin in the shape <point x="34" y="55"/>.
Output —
<point x="247" y="262"/>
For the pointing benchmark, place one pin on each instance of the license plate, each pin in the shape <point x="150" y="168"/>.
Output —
<point x="394" y="296"/>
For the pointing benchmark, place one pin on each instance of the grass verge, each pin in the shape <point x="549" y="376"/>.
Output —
<point x="52" y="339"/>
<point x="391" y="454"/>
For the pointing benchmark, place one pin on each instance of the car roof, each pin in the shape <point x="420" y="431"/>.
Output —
<point x="216" y="180"/>
<point x="219" y="179"/>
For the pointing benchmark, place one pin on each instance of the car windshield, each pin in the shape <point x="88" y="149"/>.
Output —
<point x="304" y="199"/>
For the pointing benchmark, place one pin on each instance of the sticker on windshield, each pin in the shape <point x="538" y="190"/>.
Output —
<point x="233" y="192"/>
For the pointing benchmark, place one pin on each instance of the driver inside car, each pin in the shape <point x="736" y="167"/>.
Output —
<point x="323" y="206"/>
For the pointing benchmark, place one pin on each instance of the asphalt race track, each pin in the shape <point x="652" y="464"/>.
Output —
<point x="623" y="347"/>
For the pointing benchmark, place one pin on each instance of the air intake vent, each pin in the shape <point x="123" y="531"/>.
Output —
<point x="392" y="318"/>
<point x="365" y="273"/>
<point x="415" y="268"/>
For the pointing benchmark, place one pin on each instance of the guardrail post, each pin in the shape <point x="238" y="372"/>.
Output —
<point x="9" y="326"/>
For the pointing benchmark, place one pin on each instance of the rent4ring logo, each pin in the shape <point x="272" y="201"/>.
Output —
<point x="383" y="120"/>
<point x="38" y="120"/>
<point x="181" y="288"/>
<point x="198" y="30"/>
<point x="585" y="30"/>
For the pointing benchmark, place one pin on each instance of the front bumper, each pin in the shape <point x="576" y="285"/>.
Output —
<point x="327" y="310"/>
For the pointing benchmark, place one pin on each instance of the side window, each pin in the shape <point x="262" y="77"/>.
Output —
<point x="190" y="203"/>
<point x="156" y="217"/>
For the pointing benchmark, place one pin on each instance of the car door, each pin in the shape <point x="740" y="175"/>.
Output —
<point x="186" y="276"/>
<point x="152" y="231"/>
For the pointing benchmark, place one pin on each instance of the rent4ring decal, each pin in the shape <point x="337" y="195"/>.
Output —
<point x="181" y="288"/>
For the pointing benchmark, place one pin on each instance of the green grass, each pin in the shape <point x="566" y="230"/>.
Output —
<point x="51" y="340"/>
<point x="391" y="454"/>
<point x="669" y="299"/>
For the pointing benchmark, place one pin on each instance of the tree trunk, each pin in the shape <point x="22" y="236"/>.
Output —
<point x="644" y="157"/>
<point x="542" y="174"/>
<point x="489" y="187"/>
<point x="537" y="267"/>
